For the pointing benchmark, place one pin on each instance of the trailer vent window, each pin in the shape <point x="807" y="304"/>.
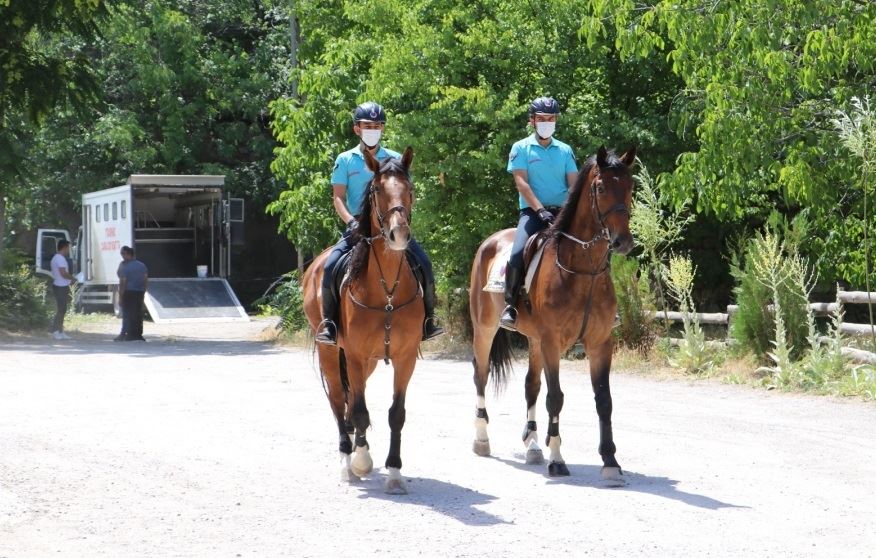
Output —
<point x="115" y="211"/>
<point x="124" y="209"/>
<point x="106" y="212"/>
<point x="97" y="213"/>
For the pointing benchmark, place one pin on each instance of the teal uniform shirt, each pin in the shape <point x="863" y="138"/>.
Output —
<point x="546" y="169"/>
<point x="352" y="172"/>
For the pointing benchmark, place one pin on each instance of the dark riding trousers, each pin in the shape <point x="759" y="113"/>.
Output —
<point x="528" y="225"/>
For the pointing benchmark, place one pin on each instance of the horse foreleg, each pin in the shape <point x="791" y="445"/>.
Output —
<point x="600" y="368"/>
<point x="362" y="463"/>
<point x="483" y="340"/>
<point x="534" y="455"/>
<point x="332" y="369"/>
<point x="404" y="369"/>
<point x="554" y="403"/>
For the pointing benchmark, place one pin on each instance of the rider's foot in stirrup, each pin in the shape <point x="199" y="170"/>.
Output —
<point x="509" y="318"/>
<point x="431" y="330"/>
<point x="328" y="334"/>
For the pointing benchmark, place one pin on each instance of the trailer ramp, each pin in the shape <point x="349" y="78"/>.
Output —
<point x="193" y="300"/>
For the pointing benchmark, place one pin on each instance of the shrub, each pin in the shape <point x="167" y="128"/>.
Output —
<point x="694" y="355"/>
<point x="766" y="289"/>
<point x="287" y="301"/>
<point x="634" y="301"/>
<point x="23" y="305"/>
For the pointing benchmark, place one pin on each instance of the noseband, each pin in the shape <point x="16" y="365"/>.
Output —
<point x="383" y="217"/>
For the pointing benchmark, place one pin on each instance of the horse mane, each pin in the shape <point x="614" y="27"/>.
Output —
<point x="567" y="213"/>
<point x="359" y="259"/>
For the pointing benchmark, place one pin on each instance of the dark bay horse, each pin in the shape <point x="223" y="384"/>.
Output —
<point x="381" y="314"/>
<point x="571" y="298"/>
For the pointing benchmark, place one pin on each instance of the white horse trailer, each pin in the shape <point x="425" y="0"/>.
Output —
<point x="181" y="227"/>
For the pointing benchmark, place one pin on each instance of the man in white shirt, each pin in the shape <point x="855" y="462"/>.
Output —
<point x="61" y="280"/>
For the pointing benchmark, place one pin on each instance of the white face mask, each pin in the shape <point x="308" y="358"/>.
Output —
<point x="371" y="137"/>
<point x="545" y="129"/>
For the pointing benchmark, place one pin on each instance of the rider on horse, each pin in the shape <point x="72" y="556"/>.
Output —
<point x="350" y="180"/>
<point x="544" y="171"/>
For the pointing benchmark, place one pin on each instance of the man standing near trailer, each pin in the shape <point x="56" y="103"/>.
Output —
<point x="61" y="280"/>
<point x="133" y="281"/>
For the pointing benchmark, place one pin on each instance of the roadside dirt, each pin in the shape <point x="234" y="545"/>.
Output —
<point x="205" y="441"/>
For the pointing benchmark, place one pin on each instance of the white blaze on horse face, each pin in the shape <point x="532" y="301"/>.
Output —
<point x="398" y="230"/>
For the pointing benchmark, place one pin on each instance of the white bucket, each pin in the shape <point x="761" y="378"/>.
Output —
<point x="202" y="271"/>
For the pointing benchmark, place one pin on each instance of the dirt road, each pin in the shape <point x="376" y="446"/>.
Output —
<point x="217" y="446"/>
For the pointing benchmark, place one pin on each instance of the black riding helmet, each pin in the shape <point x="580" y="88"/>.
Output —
<point x="370" y="112"/>
<point x="544" y="105"/>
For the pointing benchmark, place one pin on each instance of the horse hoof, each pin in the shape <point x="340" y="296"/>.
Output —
<point x="395" y="483"/>
<point x="361" y="465"/>
<point x="481" y="448"/>
<point x="558" y="469"/>
<point x="534" y="457"/>
<point x="348" y="476"/>
<point x="613" y="477"/>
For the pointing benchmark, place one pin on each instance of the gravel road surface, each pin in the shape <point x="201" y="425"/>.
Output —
<point x="206" y="442"/>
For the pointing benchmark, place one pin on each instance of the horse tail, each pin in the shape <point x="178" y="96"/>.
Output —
<point x="501" y="356"/>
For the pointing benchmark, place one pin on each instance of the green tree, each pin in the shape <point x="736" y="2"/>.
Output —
<point x="43" y="64"/>
<point x="762" y="79"/>
<point x="456" y="78"/>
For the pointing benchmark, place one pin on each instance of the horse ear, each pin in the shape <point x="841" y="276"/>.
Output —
<point x="407" y="158"/>
<point x="601" y="156"/>
<point x="629" y="158"/>
<point x="372" y="163"/>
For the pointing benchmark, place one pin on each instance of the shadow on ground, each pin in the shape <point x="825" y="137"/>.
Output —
<point x="442" y="497"/>
<point x="154" y="346"/>
<point x="590" y="476"/>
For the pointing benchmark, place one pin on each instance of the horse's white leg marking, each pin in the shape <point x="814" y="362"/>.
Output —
<point x="481" y="445"/>
<point x="534" y="455"/>
<point x="395" y="483"/>
<point x="361" y="464"/>
<point x="346" y="474"/>
<point x="554" y="445"/>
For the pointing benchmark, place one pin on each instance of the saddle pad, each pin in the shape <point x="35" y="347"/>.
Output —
<point x="496" y="276"/>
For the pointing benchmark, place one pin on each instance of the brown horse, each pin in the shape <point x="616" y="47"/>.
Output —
<point x="381" y="317"/>
<point x="571" y="298"/>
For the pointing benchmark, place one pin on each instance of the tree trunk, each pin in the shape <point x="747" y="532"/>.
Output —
<point x="2" y="230"/>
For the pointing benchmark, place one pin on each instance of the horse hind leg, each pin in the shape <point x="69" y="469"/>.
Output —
<point x="534" y="453"/>
<point x="481" y="364"/>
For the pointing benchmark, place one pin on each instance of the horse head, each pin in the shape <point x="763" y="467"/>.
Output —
<point x="391" y="194"/>
<point x="611" y="196"/>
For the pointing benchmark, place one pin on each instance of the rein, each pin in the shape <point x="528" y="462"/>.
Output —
<point x="604" y="234"/>
<point x="389" y="308"/>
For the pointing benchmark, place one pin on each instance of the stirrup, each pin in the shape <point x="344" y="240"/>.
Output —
<point x="328" y="333"/>
<point x="508" y="320"/>
<point x="431" y="330"/>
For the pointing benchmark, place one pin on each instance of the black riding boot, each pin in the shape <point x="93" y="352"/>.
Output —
<point x="328" y="329"/>
<point x="513" y="280"/>
<point x="430" y="328"/>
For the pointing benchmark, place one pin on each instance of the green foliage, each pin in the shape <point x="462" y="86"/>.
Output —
<point x="184" y="89"/>
<point x="634" y="301"/>
<point x="761" y="81"/>
<point x="694" y="355"/>
<point x="287" y="301"/>
<point x="456" y="78"/>
<point x="656" y="226"/>
<point x="23" y="301"/>
<point x="772" y="294"/>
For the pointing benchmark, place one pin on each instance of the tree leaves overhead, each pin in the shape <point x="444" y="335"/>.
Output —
<point x="456" y="79"/>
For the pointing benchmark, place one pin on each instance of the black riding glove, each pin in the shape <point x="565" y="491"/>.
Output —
<point x="546" y="216"/>
<point x="352" y="224"/>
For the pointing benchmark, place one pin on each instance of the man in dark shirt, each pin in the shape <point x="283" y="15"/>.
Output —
<point x="133" y="280"/>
